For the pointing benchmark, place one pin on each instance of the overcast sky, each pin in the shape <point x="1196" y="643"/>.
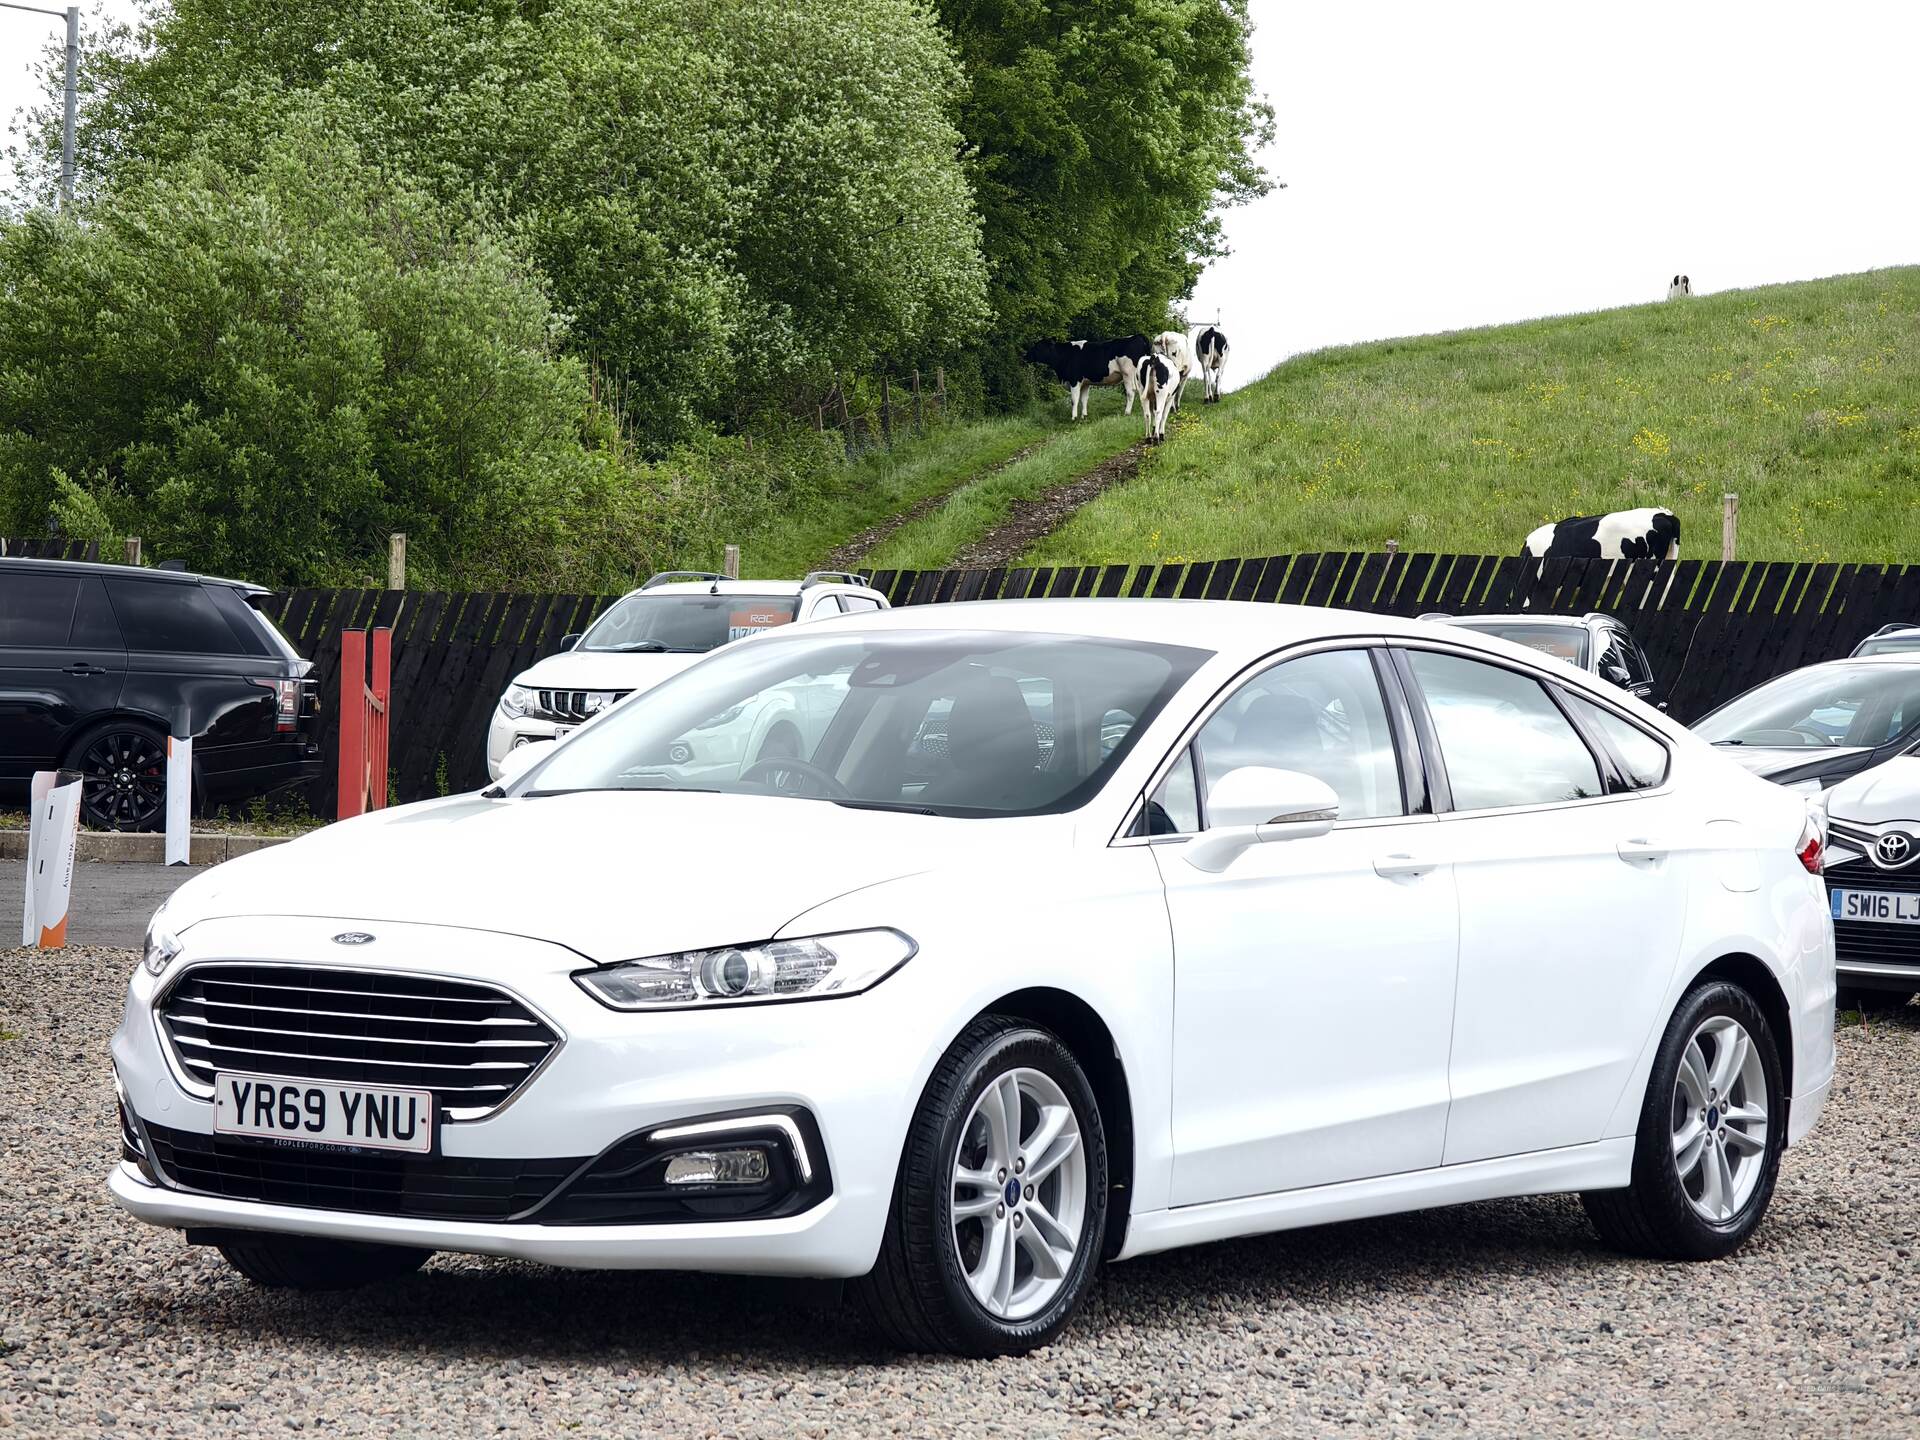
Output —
<point x="1472" y="163"/>
<point x="1466" y="164"/>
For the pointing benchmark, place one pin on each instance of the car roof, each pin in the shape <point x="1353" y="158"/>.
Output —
<point x="1227" y="626"/>
<point x="142" y="572"/>
<point x="746" y="587"/>
<point x="1505" y="618"/>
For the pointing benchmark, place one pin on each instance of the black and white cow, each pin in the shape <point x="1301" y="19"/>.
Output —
<point x="1083" y="364"/>
<point x="1159" y="391"/>
<point x="1211" y="349"/>
<point x="1176" y="347"/>
<point x="1650" y="534"/>
<point x="1679" y="287"/>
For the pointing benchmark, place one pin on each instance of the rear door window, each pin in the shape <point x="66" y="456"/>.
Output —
<point x="94" y="627"/>
<point x="1642" y="757"/>
<point x="37" y="609"/>
<point x="1503" y="739"/>
<point x="172" y="618"/>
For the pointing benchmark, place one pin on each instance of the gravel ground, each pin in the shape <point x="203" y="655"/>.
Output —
<point x="1493" y="1319"/>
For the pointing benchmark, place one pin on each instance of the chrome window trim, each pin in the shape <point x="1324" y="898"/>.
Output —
<point x="463" y="1115"/>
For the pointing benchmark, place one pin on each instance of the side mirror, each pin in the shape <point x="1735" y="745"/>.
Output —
<point x="1617" y="674"/>
<point x="567" y="642"/>
<point x="1256" y="805"/>
<point x="522" y="758"/>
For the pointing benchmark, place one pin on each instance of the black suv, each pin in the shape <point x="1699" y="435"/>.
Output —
<point x="99" y="663"/>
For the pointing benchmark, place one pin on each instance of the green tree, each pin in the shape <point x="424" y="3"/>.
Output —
<point x="1104" y="135"/>
<point x="266" y="372"/>
<point x="730" y="201"/>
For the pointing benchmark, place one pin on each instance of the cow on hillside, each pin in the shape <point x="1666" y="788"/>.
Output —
<point x="1159" y="392"/>
<point x="1680" y="287"/>
<point x="1083" y="364"/>
<point x="1176" y="347"/>
<point x="1649" y="534"/>
<point x="1211" y="350"/>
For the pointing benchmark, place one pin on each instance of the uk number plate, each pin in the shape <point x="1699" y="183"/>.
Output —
<point x="1887" y="906"/>
<point x="271" y="1107"/>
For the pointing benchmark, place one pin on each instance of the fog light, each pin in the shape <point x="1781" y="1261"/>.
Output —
<point x="718" y="1167"/>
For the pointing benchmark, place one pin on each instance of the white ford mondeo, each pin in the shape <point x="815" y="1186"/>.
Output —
<point x="1084" y="929"/>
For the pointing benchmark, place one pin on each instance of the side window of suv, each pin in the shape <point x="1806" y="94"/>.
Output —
<point x="170" y="617"/>
<point x="37" y="609"/>
<point x="1503" y="739"/>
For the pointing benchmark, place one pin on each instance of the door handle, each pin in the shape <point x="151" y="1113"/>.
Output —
<point x="81" y="667"/>
<point x="1401" y="863"/>
<point x="1638" y="849"/>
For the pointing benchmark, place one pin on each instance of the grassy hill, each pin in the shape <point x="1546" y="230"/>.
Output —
<point x="1803" y="398"/>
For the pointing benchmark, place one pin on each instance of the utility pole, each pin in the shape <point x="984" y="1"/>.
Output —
<point x="72" y="16"/>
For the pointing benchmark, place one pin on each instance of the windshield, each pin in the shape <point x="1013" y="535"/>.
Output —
<point x="1563" y="642"/>
<point x="1890" y="644"/>
<point x="1823" y="705"/>
<point x="937" y="722"/>
<point x="685" y="623"/>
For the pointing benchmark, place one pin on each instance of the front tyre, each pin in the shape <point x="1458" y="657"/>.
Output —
<point x="307" y="1262"/>
<point x="1711" y="1131"/>
<point x="1000" y="1206"/>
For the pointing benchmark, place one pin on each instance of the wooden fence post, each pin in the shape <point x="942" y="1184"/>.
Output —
<point x="1393" y="547"/>
<point x="886" y="410"/>
<point x="730" y="566"/>
<point x="940" y="388"/>
<point x="846" y="420"/>
<point x="133" y="550"/>
<point x="919" y="424"/>
<point x="1729" y="525"/>
<point x="396" y="561"/>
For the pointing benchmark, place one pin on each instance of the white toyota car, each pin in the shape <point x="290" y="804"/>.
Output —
<point x="1275" y="916"/>
<point x="652" y="634"/>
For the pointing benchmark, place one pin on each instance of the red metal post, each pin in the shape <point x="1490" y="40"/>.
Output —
<point x="353" y="723"/>
<point x="380" y="718"/>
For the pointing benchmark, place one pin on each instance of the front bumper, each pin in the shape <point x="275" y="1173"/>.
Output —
<point x="811" y="1244"/>
<point x="613" y="1075"/>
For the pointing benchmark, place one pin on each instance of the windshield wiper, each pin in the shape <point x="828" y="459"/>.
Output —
<point x="646" y="647"/>
<point x="1729" y="742"/>
<point x="901" y="806"/>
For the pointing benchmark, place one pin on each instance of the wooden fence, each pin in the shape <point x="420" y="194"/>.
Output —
<point x="1710" y="628"/>
<point x="29" y="548"/>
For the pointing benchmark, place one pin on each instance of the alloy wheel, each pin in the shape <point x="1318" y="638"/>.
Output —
<point x="1019" y="1194"/>
<point x="125" y="785"/>
<point x="1720" y="1118"/>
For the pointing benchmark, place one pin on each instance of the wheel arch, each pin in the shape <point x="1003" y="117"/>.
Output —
<point x="1082" y="1030"/>
<point x="1756" y="977"/>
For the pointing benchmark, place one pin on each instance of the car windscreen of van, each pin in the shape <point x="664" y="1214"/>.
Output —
<point x="686" y="624"/>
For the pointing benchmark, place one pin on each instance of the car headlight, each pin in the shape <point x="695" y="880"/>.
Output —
<point x="159" y="947"/>
<point x="517" y="701"/>
<point x="819" y="967"/>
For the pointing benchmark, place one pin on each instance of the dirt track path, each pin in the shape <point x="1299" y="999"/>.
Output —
<point x="1035" y="519"/>
<point x="850" y="553"/>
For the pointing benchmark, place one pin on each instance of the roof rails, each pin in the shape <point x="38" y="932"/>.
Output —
<point x="831" y="577"/>
<point x="1895" y="628"/>
<point x="667" y="576"/>
<point x="1435" y="615"/>
<point x="1599" y="615"/>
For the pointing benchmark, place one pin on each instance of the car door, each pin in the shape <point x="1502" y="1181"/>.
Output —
<point x="1572" y="887"/>
<point x="61" y="664"/>
<point x="1313" y="978"/>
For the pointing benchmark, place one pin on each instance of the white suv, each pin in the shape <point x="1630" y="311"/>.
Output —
<point x="656" y="632"/>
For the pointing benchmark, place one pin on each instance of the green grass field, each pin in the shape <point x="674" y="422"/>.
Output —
<point x="1804" y="398"/>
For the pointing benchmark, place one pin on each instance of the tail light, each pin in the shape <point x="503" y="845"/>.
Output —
<point x="286" y="703"/>
<point x="1812" y="849"/>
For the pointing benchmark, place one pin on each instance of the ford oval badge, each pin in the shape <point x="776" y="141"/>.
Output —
<point x="353" y="937"/>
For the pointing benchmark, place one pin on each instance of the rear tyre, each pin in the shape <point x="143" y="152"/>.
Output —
<point x="1711" y="1131"/>
<point x="306" y="1262"/>
<point x="124" y="765"/>
<point x="1000" y="1205"/>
